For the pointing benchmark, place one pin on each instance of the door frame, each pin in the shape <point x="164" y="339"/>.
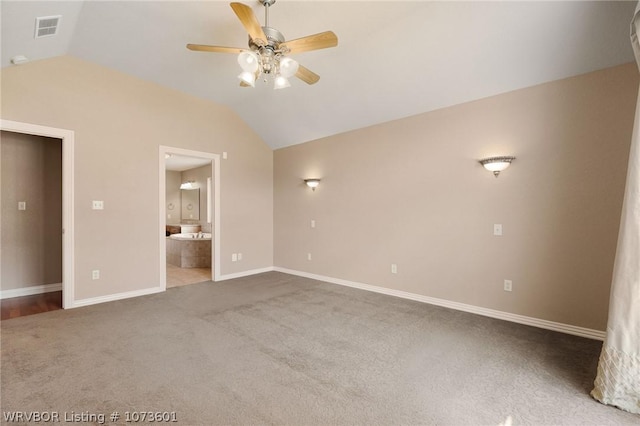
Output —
<point x="67" y="137"/>
<point x="215" y="231"/>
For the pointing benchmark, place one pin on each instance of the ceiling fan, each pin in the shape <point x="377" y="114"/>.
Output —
<point x="268" y="50"/>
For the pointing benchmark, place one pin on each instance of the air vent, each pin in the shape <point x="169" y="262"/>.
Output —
<point x="47" y="26"/>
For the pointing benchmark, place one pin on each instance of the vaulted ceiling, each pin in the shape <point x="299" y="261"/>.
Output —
<point x="394" y="58"/>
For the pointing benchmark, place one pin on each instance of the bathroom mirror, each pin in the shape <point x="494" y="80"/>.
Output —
<point x="190" y="200"/>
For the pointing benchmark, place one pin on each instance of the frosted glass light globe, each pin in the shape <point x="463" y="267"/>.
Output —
<point x="248" y="61"/>
<point x="288" y="67"/>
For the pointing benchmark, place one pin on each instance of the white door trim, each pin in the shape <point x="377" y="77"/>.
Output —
<point x="68" y="259"/>
<point x="215" y="172"/>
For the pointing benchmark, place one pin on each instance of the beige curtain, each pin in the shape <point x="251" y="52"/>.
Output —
<point x="618" y="380"/>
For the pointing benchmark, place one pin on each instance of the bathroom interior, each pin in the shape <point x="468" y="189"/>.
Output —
<point x="188" y="225"/>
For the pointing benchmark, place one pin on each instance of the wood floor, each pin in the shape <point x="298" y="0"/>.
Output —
<point x="29" y="305"/>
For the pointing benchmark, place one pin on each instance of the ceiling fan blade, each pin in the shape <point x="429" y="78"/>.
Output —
<point x="250" y="23"/>
<point x="217" y="49"/>
<point x="312" y="42"/>
<point x="307" y="75"/>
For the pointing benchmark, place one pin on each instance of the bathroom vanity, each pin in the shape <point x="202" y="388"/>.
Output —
<point x="183" y="229"/>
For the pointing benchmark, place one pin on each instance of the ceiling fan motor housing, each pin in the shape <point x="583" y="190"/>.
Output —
<point x="270" y="53"/>
<point x="274" y="39"/>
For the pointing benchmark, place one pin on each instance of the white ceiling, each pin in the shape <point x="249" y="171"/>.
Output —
<point x="394" y="59"/>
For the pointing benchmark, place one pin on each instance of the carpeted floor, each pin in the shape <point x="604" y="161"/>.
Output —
<point x="279" y="349"/>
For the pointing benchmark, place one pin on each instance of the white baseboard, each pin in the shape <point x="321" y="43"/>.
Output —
<point x="152" y="290"/>
<point x="507" y="316"/>
<point x="117" y="296"/>
<point x="29" y="291"/>
<point x="245" y="273"/>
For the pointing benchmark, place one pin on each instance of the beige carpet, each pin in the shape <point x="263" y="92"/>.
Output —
<point x="278" y="349"/>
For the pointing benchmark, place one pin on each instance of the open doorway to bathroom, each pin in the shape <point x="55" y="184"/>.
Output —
<point x="189" y="206"/>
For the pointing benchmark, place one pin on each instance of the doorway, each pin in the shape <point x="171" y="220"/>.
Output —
<point x="67" y="140"/>
<point x="189" y="216"/>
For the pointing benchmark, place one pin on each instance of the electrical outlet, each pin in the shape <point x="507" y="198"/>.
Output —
<point x="22" y="205"/>
<point x="98" y="205"/>
<point x="508" y="285"/>
<point x="394" y="268"/>
<point x="234" y="257"/>
<point x="497" y="229"/>
<point x="95" y="274"/>
<point x="239" y="256"/>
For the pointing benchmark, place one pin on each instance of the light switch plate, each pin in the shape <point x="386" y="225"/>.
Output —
<point x="22" y="205"/>
<point x="497" y="229"/>
<point x="98" y="205"/>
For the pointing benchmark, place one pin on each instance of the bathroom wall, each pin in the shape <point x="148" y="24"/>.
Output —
<point x="173" y="181"/>
<point x="31" y="240"/>
<point x="172" y="196"/>
<point x="200" y="175"/>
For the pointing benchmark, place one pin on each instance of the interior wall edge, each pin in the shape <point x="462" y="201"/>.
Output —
<point x="245" y="273"/>
<point x="30" y="291"/>
<point x="478" y="310"/>
<point x="117" y="296"/>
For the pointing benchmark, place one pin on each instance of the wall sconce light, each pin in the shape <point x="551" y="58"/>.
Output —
<point x="191" y="184"/>
<point x="312" y="183"/>
<point x="497" y="164"/>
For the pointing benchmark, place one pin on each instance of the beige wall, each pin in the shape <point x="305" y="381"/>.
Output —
<point x="119" y="123"/>
<point x="411" y="192"/>
<point x="408" y="192"/>
<point x="31" y="242"/>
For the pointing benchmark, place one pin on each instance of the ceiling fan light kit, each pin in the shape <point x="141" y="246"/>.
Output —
<point x="268" y="49"/>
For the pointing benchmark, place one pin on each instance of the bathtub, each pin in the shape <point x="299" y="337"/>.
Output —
<point x="187" y="250"/>
<point x="191" y="236"/>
